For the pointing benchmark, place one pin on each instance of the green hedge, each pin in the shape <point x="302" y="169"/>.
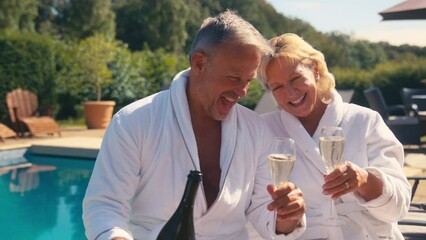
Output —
<point x="390" y="77"/>
<point x="27" y="61"/>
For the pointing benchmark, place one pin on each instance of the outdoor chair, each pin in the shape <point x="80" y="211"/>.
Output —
<point x="24" y="114"/>
<point x="377" y="102"/>
<point x="6" y="132"/>
<point x="406" y="128"/>
<point x="413" y="105"/>
<point x="413" y="225"/>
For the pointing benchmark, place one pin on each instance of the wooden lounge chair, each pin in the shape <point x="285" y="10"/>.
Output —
<point x="23" y="111"/>
<point x="6" y="132"/>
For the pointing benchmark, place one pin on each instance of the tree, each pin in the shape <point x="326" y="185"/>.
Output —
<point x="84" y="67"/>
<point x="160" y="24"/>
<point x="18" y="15"/>
<point x="82" y="19"/>
<point x="49" y="13"/>
<point x="367" y="55"/>
<point x="96" y="52"/>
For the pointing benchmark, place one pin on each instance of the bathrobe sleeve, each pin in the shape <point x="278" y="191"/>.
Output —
<point x="113" y="182"/>
<point x="385" y="160"/>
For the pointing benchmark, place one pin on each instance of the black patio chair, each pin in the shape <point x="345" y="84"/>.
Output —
<point x="413" y="105"/>
<point x="406" y="128"/>
<point x="377" y="102"/>
<point x="413" y="226"/>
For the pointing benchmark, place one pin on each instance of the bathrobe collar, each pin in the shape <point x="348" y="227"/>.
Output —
<point x="181" y="111"/>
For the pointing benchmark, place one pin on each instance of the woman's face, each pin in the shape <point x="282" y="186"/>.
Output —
<point x="294" y="86"/>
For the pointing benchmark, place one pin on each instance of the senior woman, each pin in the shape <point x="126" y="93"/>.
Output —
<point x="369" y="189"/>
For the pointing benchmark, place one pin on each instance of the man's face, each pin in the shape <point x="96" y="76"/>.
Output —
<point x="222" y="79"/>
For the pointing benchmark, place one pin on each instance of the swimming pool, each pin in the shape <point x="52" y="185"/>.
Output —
<point x="40" y="197"/>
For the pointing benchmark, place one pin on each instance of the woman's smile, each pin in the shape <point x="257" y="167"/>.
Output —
<point x="297" y="101"/>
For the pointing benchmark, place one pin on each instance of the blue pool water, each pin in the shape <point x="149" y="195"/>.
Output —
<point x="43" y="201"/>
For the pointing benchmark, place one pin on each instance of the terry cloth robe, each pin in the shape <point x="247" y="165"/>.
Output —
<point x="146" y="154"/>
<point x="370" y="144"/>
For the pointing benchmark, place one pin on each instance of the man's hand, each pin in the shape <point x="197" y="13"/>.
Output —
<point x="290" y="206"/>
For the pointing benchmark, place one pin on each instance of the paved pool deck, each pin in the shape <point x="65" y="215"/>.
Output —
<point x="74" y="142"/>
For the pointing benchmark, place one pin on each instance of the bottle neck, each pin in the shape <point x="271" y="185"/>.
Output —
<point x="194" y="179"/>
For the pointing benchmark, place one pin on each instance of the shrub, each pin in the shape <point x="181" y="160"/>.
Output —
<point x="28" y="62"/>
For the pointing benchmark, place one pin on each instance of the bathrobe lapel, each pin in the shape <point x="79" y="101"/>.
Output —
<point x="181" y="111"/>
<point x="229" y="129"/>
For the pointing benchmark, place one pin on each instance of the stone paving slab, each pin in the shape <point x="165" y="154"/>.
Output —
<point x="80" y="147"/>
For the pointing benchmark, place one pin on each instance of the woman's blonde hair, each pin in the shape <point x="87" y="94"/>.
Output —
<point x="293" y="48"/>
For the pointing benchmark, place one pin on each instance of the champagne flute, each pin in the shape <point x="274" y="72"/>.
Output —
<point x="281" y="161"/>
<point x="332" y="144"/>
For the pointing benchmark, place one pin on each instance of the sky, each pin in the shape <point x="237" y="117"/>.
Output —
<point x="357" y="18"/>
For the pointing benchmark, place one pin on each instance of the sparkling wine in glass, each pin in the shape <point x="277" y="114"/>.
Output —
<point x="281" y="161"/>
<point x="332" y="144"/>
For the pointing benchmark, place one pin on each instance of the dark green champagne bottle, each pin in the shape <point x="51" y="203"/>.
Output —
<point x="181" y="225"/>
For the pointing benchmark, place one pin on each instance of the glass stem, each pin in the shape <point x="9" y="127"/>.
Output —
<point x="274" y="225"/>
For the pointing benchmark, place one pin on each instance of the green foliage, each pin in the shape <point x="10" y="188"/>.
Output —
<point x="82" y="19"/>
<point x="85" y="66"/>
<point x="394" y="75"/>
<point x="160" y="67"/>
<point x="27" y="61"/>
<point x="390" y="77"/>
<point x="254" y="94"/>
<point x="71" y="19"/>
<point x="18" y="15"/>
<point x="140" y="74"/>
<point x="160" y="24"/>
<point x="153" y="35"/>
<point x="94" y="54"/>
<point x="131" y="75"/>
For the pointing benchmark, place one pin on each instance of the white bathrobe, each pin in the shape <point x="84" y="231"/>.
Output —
<point x="142" y="167"/>
<point x="371" y="145"/>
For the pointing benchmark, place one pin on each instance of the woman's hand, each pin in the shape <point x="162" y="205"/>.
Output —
<point x="349" y="177"/>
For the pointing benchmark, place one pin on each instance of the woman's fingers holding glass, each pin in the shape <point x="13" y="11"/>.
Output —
<point x="338" y="180"/>
<point x="345" y="188"/>
<point x="347" y="177"/>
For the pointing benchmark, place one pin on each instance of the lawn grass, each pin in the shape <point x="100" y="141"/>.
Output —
<point x="72" y="122"/>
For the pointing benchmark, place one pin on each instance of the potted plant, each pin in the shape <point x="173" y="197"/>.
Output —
<point x="95" y="53"/>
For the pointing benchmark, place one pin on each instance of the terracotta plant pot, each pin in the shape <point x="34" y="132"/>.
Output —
<point x="98" y="113"/>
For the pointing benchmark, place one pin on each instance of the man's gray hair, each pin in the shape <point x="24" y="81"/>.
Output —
<point x="227" y="27"/>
